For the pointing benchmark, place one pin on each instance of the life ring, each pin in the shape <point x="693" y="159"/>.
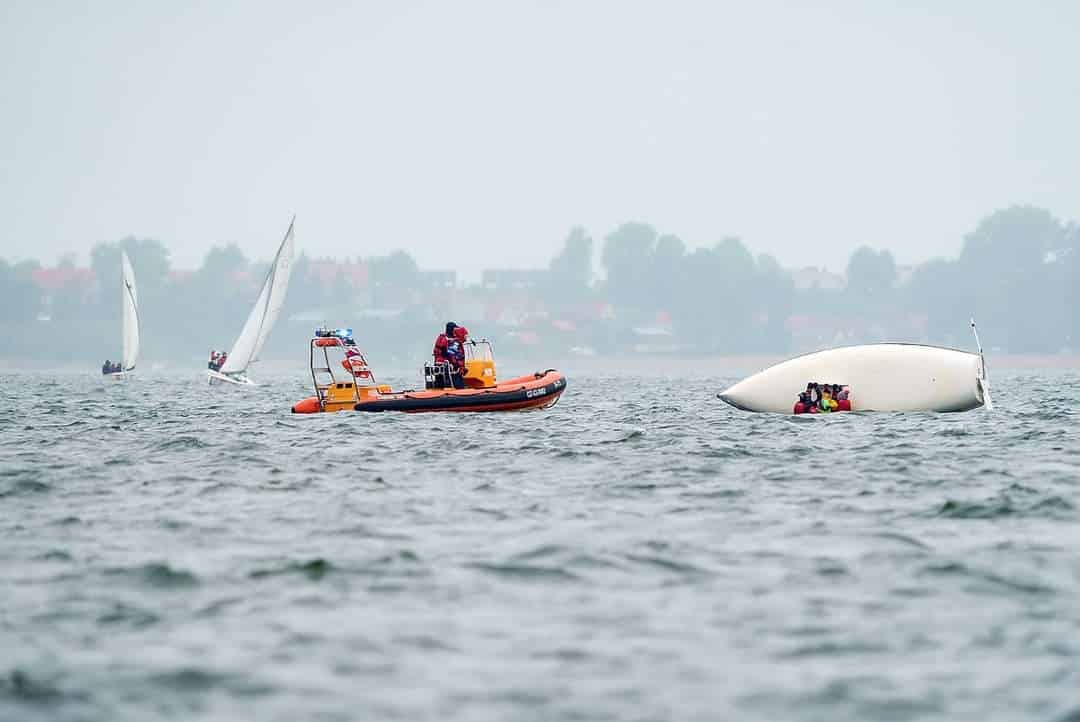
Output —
<point x="357" y="367"/>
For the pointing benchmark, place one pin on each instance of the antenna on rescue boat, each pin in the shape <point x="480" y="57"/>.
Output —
<point x="984" y="379"/>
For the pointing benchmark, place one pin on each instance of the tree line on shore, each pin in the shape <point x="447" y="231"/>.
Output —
<point x="1017" y="272"/>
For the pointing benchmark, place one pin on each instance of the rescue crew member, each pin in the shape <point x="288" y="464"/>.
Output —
<point x="442" y="341"/>
<point x="455" y="352"/>
<point x="444" y="359"/>
<point x="455" y="349"/>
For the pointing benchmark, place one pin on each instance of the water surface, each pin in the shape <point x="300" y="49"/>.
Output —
<point x="639" y="552"/>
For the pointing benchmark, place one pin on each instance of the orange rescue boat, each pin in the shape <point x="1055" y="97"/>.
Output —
<point x="357" y="390"/>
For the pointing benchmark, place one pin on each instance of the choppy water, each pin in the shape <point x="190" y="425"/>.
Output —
<point x="640" y="552"/>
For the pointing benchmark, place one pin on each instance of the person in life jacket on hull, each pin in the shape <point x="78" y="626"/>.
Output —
<point x="842" y="396"/>
<point x="804" y="404"/>
<point x="823" y="398"/>
<point x="827" y="403"/>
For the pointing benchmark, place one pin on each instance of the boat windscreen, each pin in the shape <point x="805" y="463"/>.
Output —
<point x="479" y="351"/>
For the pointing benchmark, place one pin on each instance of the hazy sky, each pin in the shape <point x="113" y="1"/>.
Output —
<point x="476" y="133"/>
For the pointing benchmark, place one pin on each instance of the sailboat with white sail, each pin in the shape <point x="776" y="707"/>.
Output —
<point x="260" y="321"/>
<point x="130" y="324"/>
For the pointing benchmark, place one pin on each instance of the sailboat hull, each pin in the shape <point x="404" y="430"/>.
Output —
<point x="881" y="377"/>
<point x="216" y="377"/>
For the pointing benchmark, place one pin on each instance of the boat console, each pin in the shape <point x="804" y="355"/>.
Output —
<point x="479" y="369"/>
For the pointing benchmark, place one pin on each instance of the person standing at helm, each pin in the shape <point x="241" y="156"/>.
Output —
<point x="444" y="356"/>
<point x="442" y="343"/>
<point x="455" y="350"/>
<point x="455" y="353"/>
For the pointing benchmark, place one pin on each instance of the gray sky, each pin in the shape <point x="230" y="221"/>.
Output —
<point x="476" y="133"/>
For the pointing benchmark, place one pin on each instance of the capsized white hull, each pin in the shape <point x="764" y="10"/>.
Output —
<point x="881" y="377"/>
<point x="239" y="379"/>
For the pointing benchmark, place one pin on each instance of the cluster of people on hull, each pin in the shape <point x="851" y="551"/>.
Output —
<point x="217" y="360"/>
<point x="110" y="368"/>
<point x="823" y="399"/>
<point x="449" y="356"/>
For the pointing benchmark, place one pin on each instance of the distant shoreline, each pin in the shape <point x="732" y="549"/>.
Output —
<point x="756" y="362"/>
<point x="658" y="364"/>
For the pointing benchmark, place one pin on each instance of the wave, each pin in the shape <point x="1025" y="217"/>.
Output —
<point x="20" y="685"/>
<point x="24" y="487"/>
<point x="667" y="564"/>
<point x="128" y="615"/>
<point x="198" y="679"/>
<point x="833" y="649"/>
<point x="623" y="438"/>
<point x="156" y="574"/>
<point x="312" y="569"/>
<point x="531" y="572"/>
<point x="986" y="580"/>
<point x="1005" y="506"/>
<point x="180" y="443"/>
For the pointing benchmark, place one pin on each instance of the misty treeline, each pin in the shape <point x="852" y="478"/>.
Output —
<point x="67" y="313"/>
<point x="1017" y="273"/>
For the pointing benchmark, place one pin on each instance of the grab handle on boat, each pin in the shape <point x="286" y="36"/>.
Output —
<point x="984" y="379"/>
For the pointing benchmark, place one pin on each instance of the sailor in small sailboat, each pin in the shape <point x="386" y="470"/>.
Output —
<point x="217" y="360"/>
<point x="232" y="367"/>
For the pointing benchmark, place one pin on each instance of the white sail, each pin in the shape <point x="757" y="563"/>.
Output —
<point x="264" y="314"/>
<point x="130" y="305"/>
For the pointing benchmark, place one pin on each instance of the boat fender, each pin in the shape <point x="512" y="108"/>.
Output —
<point x="309" y="405"/>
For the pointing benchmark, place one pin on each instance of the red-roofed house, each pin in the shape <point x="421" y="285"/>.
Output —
<point x="327" y="272"/>
<point x="54" y="279"/>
